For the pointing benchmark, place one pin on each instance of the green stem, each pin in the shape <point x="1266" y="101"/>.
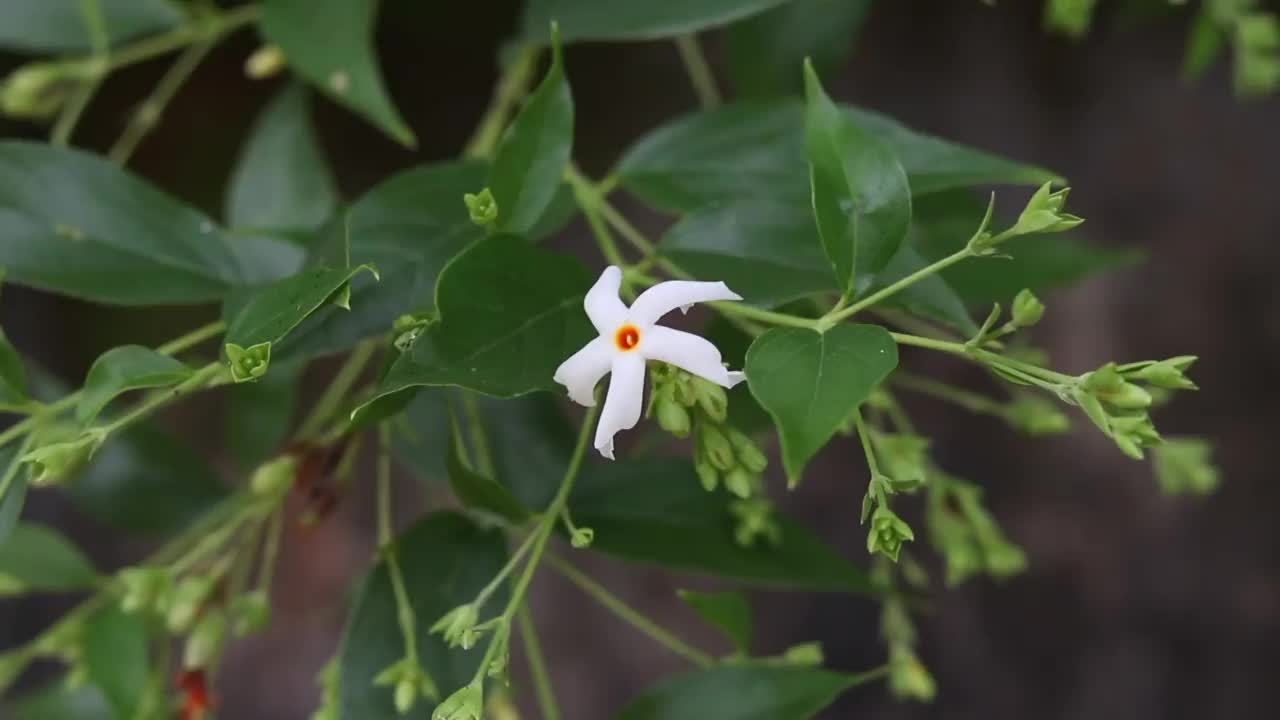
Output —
<point x="589" y="201"/>
<point x="629" y="615"/>
<point x="207" y="27"/>
<point x="864" y="435"/>
<point x="100" y="44"/>
<point x="537" y="665"/>
<point x="147" y="115"/>
<point x="386" y="541"/>
<point x="205" y="377"/>
<point x="837" y="314"/>
<point x="479" y="438"/>
<point x="15" y="465"/>
<point x="541" y="534"/>
<point x="271" y="551"/>
<point x="327" y="406"/>
<point x="699" y="71"/>
<point x="511" y="87"/>
<point x="967" y="399"/>
<point x="496" y="582"/>
<point x="632" y="235"/>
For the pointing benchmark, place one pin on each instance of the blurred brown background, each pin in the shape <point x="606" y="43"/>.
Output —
<point x="1135" y="605"/>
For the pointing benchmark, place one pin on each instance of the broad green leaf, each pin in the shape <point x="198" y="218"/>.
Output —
<point x="476" y="490"/>
<point x="810" y="382"/>
<point x="259" y="414"/>
<point x="148" y="481"/>
<point x="767" y="251"/>
<point x="766" y="51"/>
<point x="532" y="156"/>
<point x="58" y="702"/>
<point x="408" y="227"/>
<point x="125" y="368"/>
<point x="861" y="200"/>
<point x="749" y="149"/>
<point x="13" y="491"/>
<point x="266" y="314"/>
<point x="944" y="223"/>
<point x="744" y="692"/>
<point x="330" y="44"/>
<point x="728" y="611"/>
<point x="510" y="313"/>
<point x="930" y="297"/>
<point x="107" y="236"/>
<point x="36" y="558"/>
<point x="115" y="655"/>
<point x="13" y="377"/>
<point x="631" y="20"/>
<point x="655" y="512"/>
<point x="445" y="560"/>
<point x="281" y="180"/>
<point x="55" y="26"/>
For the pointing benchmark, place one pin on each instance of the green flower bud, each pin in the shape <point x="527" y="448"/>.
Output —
<point x="1184" y="465"/>
<point x="909" y="679"/>
<point x="712" y="399"/>
<point x="748" y="452"/>
<point x="962" y="559"/>
<point x="740" y="482"/>
<point x="274" y="477"/>
<point x="458" y="626"/>
<point x="684" y="388"/>
<point x="1004" y="559"/>
<point x="467" y="703"/>
<point x="904" y="459"/>
<point x="1043" y="213"/>
<point x="805" y="654"/>
<point x="1108" y="385"/>
<point x="265" y="62"/>
<point x="188" y="599"/>
<point x="582" y="537"/>
<point x="143" y="587"/>
<point x="406" y="695"/>
<point x="1027" y="309"/>
<point x="707" y="475"/>
<point x="715" y="447"/>
<point x="248" y="363"/>
<point x="888" y="532"/>
<point x="1036" y="415"/>
<point x="1167" y="374"/>
<point x="204" y="644"/>
<point x="673" y="417"/>
<point x="482" y="207"/>
<point x="38" y="90"/>
<point x="252" y="612"/>
<point x="755" y="520"/>
<point x="53" y="463"/>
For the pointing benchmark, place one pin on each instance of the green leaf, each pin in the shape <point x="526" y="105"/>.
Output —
<point x="148" y="481"/>
<point x="861" y="199"/>
<point x="944" y="223"/>
<point x="260" y="412"/>
<point x="1205" y="42"/>
<point x="531" y="159"/>
<point x="57" y="26"/>
<point x="765" y="52"/>
<point x="749" y="149"/>
<point x="115" y="655"/>
<point x="281" y="181"/>
<point x="125" y="368"/>
<point x="36" y="558"/>
<point x="445" y="560"/>
<point x="728" y="611"/>
<point x="266" y="314"/>
<point x="810" y="382"/>
<point x="13" y="493"/>
<point x="655" y="512"/>
<point x="510" y="313"/>
<point x="13" y="377"/>
<point x="109" y="237"/>
<point x="330" y="44"/>
<point x="58" y="702"/>
<point x="474" y="489"/>
<point x="745" y="692"/>
<point x="766" y="250"/>
<point x="629" y="20"/>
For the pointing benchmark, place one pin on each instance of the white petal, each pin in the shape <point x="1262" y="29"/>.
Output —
<point x="623" y="403"/>
<point x="736" y="376"/>
<point x="602" y="303"/>
<point x="667" y="296"/>
<point x="689" y="352"/>
<point x="580" y="373"/>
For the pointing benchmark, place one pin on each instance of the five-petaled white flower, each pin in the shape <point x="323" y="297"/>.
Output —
<point x="628" y="337"/>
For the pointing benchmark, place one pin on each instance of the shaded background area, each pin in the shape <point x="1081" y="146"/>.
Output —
<point x="1135" y="605"/>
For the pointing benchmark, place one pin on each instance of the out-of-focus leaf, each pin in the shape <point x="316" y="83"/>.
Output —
<point x="36" y="558"/>
<point x="259" y="413"/>
<point x="115" y="654"/>
<point x="125" y="368"/>
<point x="445" y="560"/>
<point x="330" y="44"/>
<point x="632" y="20"/>
<point x="13" y="377"/>
<point x="745" y="692"/>
<point x="58" y="702"/>
<point x="268" y="313"/>
<point x="13" y="491"/>
<point x="728" y="611"/>
<point x="656" y="512"/>
<point x="55" y="26"/>
<point x="475" y="489"/>
<point x="765" y="51"/>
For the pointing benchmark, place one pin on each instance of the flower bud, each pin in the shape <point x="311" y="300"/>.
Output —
<point x="248" y="363"/>
<point x="740" y="482"/>
<point x="1036" y="415"/>
<point x="188" y="599"/>
<point x="909" y="679"/>
<point x="204" y="644"/>
<point x="143" y="587"/>
<point x="1043" y="213"/>
<point x="748" y="452"/>
<point x="962" y="560"/>
<point x="755" y="520"/>
<point x="252" y="612"/>
<point x="707" y="475"/>
<point x="467" y="703"/>
<point x="715" y="447"/>
<point x="1108" y="385"/>
<point x="684" y="388"/>
<point x="38" y="90"/>
<point x="1184" y="465"/>
<point x="805" y="654"/>
<point x="582" y="537"/>
<point x="887" y="533"/>
<point x="53" y="463"/>
<point x="482" y="207"/>
<point x="406" y="695"/>
<point x="1132" y="433"/>
<point x="712" y="399"/>
<point x="1027" y="309"/>
<point x="673" y="417"/>
<point x="265" y="62"/>
<point x="457" y="626"/>
<point x="1003" y="558"/>
<point x="1167" y="374"/>
<point x="274" y="477"/>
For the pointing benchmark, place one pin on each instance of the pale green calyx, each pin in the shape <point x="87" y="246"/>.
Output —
<point x="482" y="207"/>
<point x="248" y="363"/>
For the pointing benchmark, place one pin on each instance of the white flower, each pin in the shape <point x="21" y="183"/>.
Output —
<point x="629" y="337"/>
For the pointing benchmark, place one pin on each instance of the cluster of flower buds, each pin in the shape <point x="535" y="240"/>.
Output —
<point x="467" y="703"/>
<point x="687" y="404"/>
<point x="1184" y="465"/>
<point x="410" y="681"/>
<point x="755" y="520"/>
<point x="461" y="626"/>
<point x="1042" y="214"/>
<point x="1118" y="405"/>
<point x="967" y="535"/>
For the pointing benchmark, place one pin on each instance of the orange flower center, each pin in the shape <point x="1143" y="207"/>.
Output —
<point x="627" y="337"/>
